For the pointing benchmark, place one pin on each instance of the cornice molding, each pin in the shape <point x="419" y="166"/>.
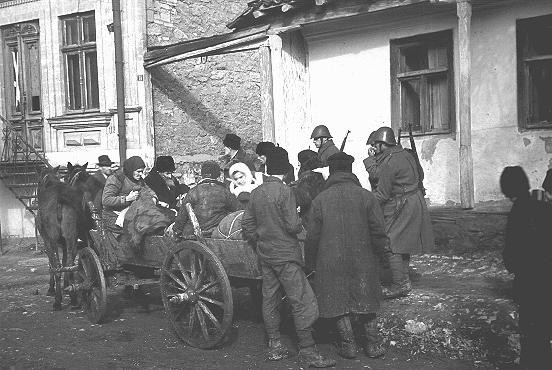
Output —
<point x="5" y="4"/>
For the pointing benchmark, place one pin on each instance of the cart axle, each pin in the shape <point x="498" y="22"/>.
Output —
<point x="188" y="296"/>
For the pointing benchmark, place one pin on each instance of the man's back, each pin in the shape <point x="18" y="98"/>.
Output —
<point x="271" y="219"/>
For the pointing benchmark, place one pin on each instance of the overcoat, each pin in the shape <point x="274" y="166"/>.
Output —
<point x="345" y="236"/>
<point x="164" y="192"/>
<point x="117" y="187"/>
<point x="407" y="220"/>
<point x="326" y="150"/>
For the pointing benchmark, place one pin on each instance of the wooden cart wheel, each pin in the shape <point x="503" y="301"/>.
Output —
<point x="196" y="294"/>
<point x="90" y="285"/>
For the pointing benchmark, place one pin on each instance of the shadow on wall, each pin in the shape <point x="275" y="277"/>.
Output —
<point x="177" y="92"/>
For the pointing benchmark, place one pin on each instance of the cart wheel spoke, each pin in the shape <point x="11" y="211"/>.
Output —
<point x="184" y="272"/>
<point x="176" y="279"/>
<point x="208" y="286"/>
<point x="210" y="300"/>
<point x="202" y="271"/>
<point x="210" y="315"/>
<point x="193" y="259"/>
<point x="202" y="323"/>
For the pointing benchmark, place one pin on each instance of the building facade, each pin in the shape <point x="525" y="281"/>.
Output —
<point x="57" y="86"/>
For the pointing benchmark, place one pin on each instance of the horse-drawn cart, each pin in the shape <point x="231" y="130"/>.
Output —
<point x="193" y="276"/>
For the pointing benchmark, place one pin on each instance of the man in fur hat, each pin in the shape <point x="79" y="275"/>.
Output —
<point x="161" y="180"/>
<point x="234" y="153"/>
<point x="271" y="221"/>
<point x="345" y="237"/>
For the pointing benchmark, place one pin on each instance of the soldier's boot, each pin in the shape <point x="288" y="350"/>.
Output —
<point x="276" y="350"/>
<point x="374" y="344"/>
<point x="346" y="345"/>
<point x="401" y="285"/>
<point x="310" y="357"/>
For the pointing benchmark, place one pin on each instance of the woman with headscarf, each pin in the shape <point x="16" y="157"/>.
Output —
<point x="242" y="183"/>
<point x="121" y="189"/>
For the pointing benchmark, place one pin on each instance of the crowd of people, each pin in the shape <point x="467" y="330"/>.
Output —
<point x="352" y="234"/>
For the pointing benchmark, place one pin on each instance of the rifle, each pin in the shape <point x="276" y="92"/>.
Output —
<point x="344" y="141"/>
<point x="414" y="153"/>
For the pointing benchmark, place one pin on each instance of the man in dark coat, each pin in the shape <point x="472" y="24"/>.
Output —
<point x="407" y="221"/>
<point x="270" y="220"/>
<point x="234" y="153"/>
<point x="323" y="141"/>
<point x="309" y="183"/>
<point x="345" y="238"/>
<point x="105" y="170"/>
<point x="528" y="255"/>
<point x="163" y="183"/>
<point x="211" y="201"/>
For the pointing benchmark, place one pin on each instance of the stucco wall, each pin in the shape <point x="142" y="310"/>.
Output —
<point x="350" y="89"/>
<point x="196" y="102"/>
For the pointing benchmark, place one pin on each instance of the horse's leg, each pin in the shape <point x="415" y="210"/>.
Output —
<point x="64" y="263"/>
<point x="51" y="259"/>
<point x="57" y="278"/>
<point x="69" y="233"/>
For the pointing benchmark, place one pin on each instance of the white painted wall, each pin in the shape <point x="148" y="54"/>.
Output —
<point x="350" y="89"/>
<point x="139" y="125"/>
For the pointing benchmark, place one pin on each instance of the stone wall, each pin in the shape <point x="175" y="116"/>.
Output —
<point x="196" y="102"/>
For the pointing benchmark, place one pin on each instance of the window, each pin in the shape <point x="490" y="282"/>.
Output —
<point x="81" y="138"/>
<point x="535" y="72"/>
<point x="79" y="57"/>
<point x="422" y="89"/>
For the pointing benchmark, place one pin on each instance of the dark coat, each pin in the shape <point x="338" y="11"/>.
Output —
<point x="309" y="185"/>
<point x="97" y="183"/>
<point x="407" y="220"/>
<point x="164" y="192"/>
<point x="528" y="252"/>
<point x="345" y="236"/>
<point x="271" y="220"/>
<point x="211" y="202"/>
<point x="241" y="156"/>
<point x="117" y="187"/>
<point x="326" y="150"/>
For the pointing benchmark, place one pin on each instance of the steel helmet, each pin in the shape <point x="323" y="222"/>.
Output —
<point x="371" y="140"/>
<point x="385" y="135"/>
<point x="320" y="131"/>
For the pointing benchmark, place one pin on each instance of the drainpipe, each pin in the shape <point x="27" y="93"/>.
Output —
<point x="119" y="78"/>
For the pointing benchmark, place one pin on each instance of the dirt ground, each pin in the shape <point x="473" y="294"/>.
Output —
<point x="459" y="316"/>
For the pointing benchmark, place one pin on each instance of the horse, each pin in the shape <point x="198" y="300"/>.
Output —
<point x="61" y="220"/>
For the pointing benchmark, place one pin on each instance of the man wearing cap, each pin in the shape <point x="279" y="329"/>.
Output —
<point x="234" y="153"/>
<point x="404" y="208"/>
<point x="104" y="171"/>
<point x="323" y="141"/>
<point x="270" y="220"/>
<point x="161" y="180"/>
<point x="345" y="238"/>
<point x="211" y="201"/>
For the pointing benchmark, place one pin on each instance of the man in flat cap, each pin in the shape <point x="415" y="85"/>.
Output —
<point x="211" y="201"/>
<point x="345" y="239"/>
<point x="105" y="170"/>
<point x="234" y="153"/>
<point x="271" y="221"/>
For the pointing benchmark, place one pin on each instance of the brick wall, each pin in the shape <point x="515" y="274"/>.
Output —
<point x="196" y="102"/>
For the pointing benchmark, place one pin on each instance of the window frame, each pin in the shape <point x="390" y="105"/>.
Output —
<point x="524" y="60"/>
<point x="80" y="48"/>
<point x="444" y="38"/>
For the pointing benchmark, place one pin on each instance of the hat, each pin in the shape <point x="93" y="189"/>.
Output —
<point x="210" y="169"/>
<point x="306" y="155"/>
<point x="264" y="147"/>
<point x="514" y="182"/>
<point x="104" y="161"/>
<point x="164" y="163"/>
<point x="232" y="141"/>
<point x="277" y="162"/>
<point x="341" y="162"/>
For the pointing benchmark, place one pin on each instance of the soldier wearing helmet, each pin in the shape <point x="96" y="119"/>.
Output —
<point x="405" y="212"/>
<point x="370" y="163"/>
<point x="323" y="141"/>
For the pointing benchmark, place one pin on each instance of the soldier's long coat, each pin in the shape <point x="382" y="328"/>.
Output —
<point x="407" y="220"/>
<point x="344" y="236"/>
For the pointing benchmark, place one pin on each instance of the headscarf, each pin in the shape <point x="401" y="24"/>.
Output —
<point x="132" y="164"/>
<point x="250" y="184"/>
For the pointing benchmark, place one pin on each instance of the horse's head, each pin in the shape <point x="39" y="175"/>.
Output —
<point x="48" y="177"/>
<point x="76" y="174"/>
